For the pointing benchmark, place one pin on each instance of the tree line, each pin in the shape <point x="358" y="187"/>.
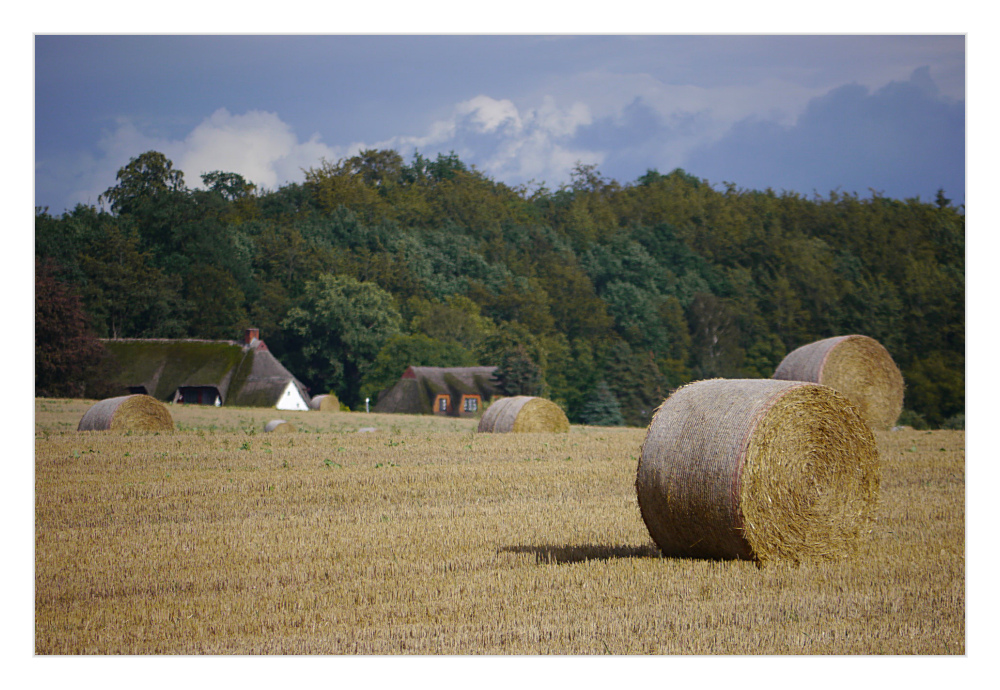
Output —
<point x="600" y="295"/>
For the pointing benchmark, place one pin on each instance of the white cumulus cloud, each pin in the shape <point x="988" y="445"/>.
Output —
<point x="257" y="145"/>
<point x="489" y="114"/>
<point x="510" y="143"/>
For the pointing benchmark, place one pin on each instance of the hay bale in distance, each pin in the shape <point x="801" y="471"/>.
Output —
<point x="127" y="413"/>
<point x="757" y="469"/>
<point x="856" y="366"/>
<point x="523" y="413"/>
<point x="279" y="426"/>
<point x="325" y="403"/>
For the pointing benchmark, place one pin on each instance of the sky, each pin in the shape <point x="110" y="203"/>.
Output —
<point x="808" y="113"/>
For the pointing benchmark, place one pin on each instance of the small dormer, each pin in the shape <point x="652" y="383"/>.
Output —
<point x="442" y="404"/>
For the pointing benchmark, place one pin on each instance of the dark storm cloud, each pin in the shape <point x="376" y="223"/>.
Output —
<point x="900" y="140"/>
<point x="642" y="138"/>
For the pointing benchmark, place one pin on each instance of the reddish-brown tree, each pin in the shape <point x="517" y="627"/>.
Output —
<point x="66" y="350"/>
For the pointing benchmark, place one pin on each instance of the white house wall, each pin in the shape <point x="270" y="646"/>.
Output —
<point x="291" y="399"/>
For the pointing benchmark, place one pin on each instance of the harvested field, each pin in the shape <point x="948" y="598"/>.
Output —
<point x="424" y="537"/>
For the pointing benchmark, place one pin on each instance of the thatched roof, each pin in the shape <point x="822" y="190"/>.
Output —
<point x="246" y="375"/>
<point x="415" y="391"/>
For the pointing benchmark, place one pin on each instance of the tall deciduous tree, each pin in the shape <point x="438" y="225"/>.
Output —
<point x="518" y="374"/>
<point x="457" y="320"/>
<point x="714" y="336"/>
<point x="231" y="186"/>
<point x="145" y="176"/>
<point x="337" y="330"/>
<point x="128" y="297"/>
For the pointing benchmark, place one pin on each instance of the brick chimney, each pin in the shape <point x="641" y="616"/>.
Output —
<point x="250" y="335"/>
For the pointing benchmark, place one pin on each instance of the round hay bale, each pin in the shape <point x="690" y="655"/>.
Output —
<point x="523" y="413"/>
<point x="325" y="403"/>
<point x="757" y="469"/>
<point x="857" y="366"/>
<point x="127" y="413"/>
<point x="279" y="426"/>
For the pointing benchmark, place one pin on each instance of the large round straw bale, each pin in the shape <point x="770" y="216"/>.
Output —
<point x="523" y="413"/>
<point x="325" y="403"/>
<point x="857" y="366"/>
<point x="279" y="426"/>
<point x="127" y="413"/>
<point x="757" y="469"/>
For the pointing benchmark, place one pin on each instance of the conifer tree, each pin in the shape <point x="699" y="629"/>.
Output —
<point x="602" y="409"/>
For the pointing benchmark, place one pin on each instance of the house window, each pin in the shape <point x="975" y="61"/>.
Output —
<point x="442" y="403"/>
<point x="470" y="403"/>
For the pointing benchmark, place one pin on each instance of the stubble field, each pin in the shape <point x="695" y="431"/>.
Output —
<point x="423" y="537"/>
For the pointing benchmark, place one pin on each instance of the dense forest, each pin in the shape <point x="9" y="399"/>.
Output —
<point x="600" y="295"/>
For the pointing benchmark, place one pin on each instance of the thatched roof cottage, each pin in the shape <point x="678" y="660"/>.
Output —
<point x="451" y="391"/>
<point x="207" y="372"/>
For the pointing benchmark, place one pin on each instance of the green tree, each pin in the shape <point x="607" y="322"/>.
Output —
<point x="521" y="300"/>
<point x="519" y="374"/>
<point x="573" y="302"/>
<point x="127" y="296"/>
<point x="456" y="320"/>
<point x="935" y="388"/>
<point x="672" y="356"/>
<point x="634" y="379"/>
<point x="715" y="337"/>
<point x="65" y="239"/>
<point x="581" y="374"/>
<point x="336" y="331"/>
<point x="763" y="357"/>
<point x="230" y="186"/>
<point x="509" y="336"/>
<point x="145" y="176"/>
<point x="216" y="303"/>
<point x="602" y="408"/>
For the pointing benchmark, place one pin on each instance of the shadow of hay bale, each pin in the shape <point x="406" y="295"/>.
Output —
<point x="555" y="555"/>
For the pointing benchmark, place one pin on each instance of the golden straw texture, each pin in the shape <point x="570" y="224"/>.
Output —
<point x="523" y="414"/>
<point x="127" y="413"/>
<point x="280" y="426"/>
<point x="325" y="403"/>
<point x="855" y="365"/>
<point x="757" y="469"/>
